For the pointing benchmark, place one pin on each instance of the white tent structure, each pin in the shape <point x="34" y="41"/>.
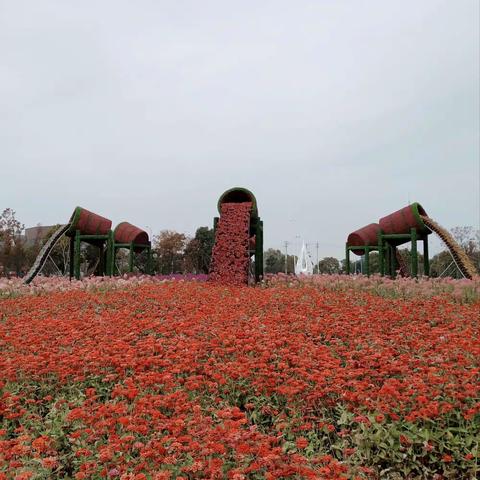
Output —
<point x="304" y="265"/>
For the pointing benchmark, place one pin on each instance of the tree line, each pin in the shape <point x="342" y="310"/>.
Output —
<point x="175" y="252"/>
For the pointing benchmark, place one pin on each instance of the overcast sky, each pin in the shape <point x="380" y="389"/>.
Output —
<point x="334" y="113"/>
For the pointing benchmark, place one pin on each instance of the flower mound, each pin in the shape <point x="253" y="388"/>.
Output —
<point x="230" y="255"/>
<point x="199" y="380"/>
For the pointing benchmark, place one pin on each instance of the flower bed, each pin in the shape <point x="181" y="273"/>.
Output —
<point x="198" y="380"/>
<point x="15" y="287"/>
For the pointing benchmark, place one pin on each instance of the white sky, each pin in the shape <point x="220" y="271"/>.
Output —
<point x="334" y="113"/>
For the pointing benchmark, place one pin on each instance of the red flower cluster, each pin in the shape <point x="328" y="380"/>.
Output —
<point x="230" y="255"/>
<point x="192" y="380"/>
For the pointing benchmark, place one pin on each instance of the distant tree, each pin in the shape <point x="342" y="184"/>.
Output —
<point x="169" y="247"/>
<point x="274" y="261"/>
<point x="198" y="250"/>
<point x="469" y="239"/>
<point x="12" y="252"/>
<point x="140" y="262"/>
<point x="10" y="227"/>
<point x="191" y="256"/>
<point x="328" y="265"/>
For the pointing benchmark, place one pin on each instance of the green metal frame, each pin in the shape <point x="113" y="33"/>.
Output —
<point x="103" y="242"/>
<point x="131" y="255"/>
<point x="367" y="249"/>
<point x="107" y="252"/>
<point x="387" y="243"/>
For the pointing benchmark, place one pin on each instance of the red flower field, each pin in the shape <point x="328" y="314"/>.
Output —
<point x="199" y="380"/>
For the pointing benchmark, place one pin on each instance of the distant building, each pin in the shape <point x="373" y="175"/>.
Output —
<point x="37" y="234"/>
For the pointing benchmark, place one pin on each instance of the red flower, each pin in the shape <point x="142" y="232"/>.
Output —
<point x="50" y="462"/>
<point x="301" y="442"/>
<point x="243" y="448"/>
<point x="380" y="418"/>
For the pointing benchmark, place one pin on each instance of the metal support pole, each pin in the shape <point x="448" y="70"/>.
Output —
<point x="392" y="260"/>
<point x="115" y="269"/>
<point x="130" y="258"/>
<point x="347" y="259"/>
<point x="114" y="256"/>
<point x="149" y="261"/>
<point x="110" y="254"/>
<point x="387" y="258"/>
<point x="72" y="256"/>
<point x="101" y="263"/>
<point x="367" y="261"/>
<point x="259" y="251"/>
<point x="393" y="257"/>
<point x="381" y="254"/>
<point x="414" y="253"/>
<point x="426" y="260"/>
<point x="76" y="255"/>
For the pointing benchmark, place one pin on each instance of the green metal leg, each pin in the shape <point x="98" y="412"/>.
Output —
<point x="259" y="251"/>
<point x="149" y="261"/>
<point x="101" y="264"/>
<point x="109" y="254"/>
<point x="426" y="260"/>
<point x="387" y="258"/>
<point x="367" y="262"/>
<point x="72" y="257"/>
<point x="414" y="253"/>
<point x="392" y="261"/>
<point x="347" y="259"/>
<point x="381" y="254"/>
<point x="114" y="257"/>
<point x="76" y="255"/>
<point x="393" y="256"/>
<point x="130" y="259"/>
